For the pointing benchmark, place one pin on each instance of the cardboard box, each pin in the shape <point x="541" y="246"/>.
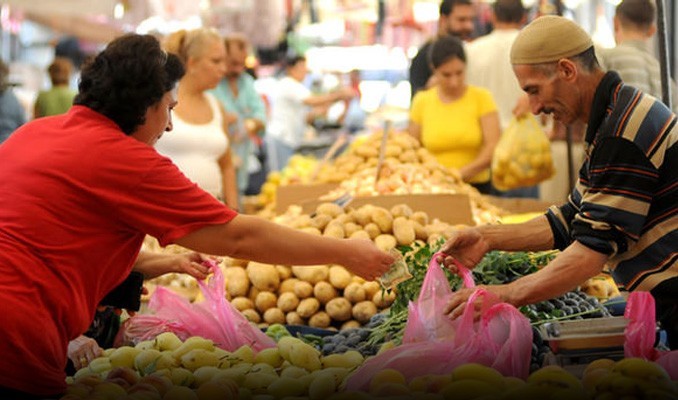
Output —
<point x="450" y="208"/>
<point x="288" y="195"/>
<point x="519" y="205"/>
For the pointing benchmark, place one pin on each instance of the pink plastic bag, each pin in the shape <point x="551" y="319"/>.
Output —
<point x="640" y="333"/>
<point x="215" y="318"/>
<point x="501" y="339"/>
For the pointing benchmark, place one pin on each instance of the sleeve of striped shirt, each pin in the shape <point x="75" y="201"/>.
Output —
<point x="619" y="190"/>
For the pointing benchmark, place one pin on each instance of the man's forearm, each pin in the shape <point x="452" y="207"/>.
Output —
<point x="533" y="235"/>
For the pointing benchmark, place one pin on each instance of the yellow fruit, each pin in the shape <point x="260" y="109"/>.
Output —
<point x="391" y="389"/>
<point x="293" y="372"/>
<point x="100" y="364"/>
<point x="511" y="382"/>
<point x="145" y="345"/>
<point x="264" y="368"/>
<point x="284" y="387"/>
<point x="593" y="377"/>
<point x="204" y="374"/>
<point x="194" y="342"/>
<point x="180" y="393"/>
<point x="601" y="363"/>
<point x="197" y="358"/>
<point x="146" y="360"/>
<point x="478" y="372"/>
<point x="555" y="377"/>
<point x="124" y="356"/>
<point x="639" y="368"/>
<point x="529" y="391"/>
<point x="243" y="354"/>
<point x="181" y="377"/>
<point x="349" y="359"/>
<point x="305" y="356"/>
<point x="258" y="381"/>
<point x="215" y="391"/>
<point x="385" y="376"/>
<point x="322" y="387"/>
<point x="270" y="356"/>
<point x="167" y="341"/>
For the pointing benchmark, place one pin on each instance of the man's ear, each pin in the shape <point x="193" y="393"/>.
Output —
<point x="651" y="30"/>
<point x="566" y="69"/>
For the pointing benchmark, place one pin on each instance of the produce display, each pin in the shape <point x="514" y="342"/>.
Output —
<point x="408" y="169"/>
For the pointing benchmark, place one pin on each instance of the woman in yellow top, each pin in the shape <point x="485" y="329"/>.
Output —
<point x="456" y="122"/>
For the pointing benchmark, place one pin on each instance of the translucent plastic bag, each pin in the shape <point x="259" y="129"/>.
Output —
<point x="640" y="333"/>
<point x="501" y="339"/>
<point x="215" y="318"/>
<point x="522" y="156"/>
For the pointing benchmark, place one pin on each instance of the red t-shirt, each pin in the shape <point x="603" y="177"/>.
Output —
<point x="77" y="198"/>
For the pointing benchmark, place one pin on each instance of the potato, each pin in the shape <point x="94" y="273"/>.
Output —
<point x="303" y="289"/>
<point x="372" y="229"/>
<point x="350" y="228"/>
<point x="242" y="303"/>
<point x="339" y="309"/>
<point x="363" y="311"/>
<point x="251" y="315"/>
<point x="237" y="283"/>
<point x="392" y="150"/>
<point x="335" y="231"/>
<point x="339" y="276"/>
<point x="403" y="231"/>
<point x="287" y="285"/>
<point x="409" y="156"/>
<point x="311" y="273"/>
<point x="274" y="316"/>
<point x="330" y="209"/>
<point x="293" y="318"/>
<point x="385" y="242"/>
<point x="265" y="300"/>
<point x="302" y="221"/>
<point x="419" y="231"/>
<point x="383" y="219"/>
<point x="433" y="239"/>
<point x="319" y="320"/>
<point x="360" y="234"/>
<point x="324" y="292"/>
<point x="354" y="292"/>
<point x="284" y="272"/>
<point x="401" y="210"/>
<point x="363" y="215"/>
<point x="263" y="276"/>
<point x="371" y="288"/>
<point x="308" y="307"/>
<point x="288" y="301"/>
<point x="342" y="219"/>
<point x="350" y="324"/>
<point x="253" y="293"/>
<point x="383" y="299"/>
<point x="420" y="217"/>
<point x="320" y="221"/>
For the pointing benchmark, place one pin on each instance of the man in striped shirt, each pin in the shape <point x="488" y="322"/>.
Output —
<point x="623" y="212"/>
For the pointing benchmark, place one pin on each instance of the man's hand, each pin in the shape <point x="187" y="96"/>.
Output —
<point x="522" y="107"/>
<point x="467" y="246"/>
<point x="82" y="350"/>
<point x="455" y="307"/>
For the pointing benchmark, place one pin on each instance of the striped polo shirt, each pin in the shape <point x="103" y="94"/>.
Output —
<point x="625" y="203"/>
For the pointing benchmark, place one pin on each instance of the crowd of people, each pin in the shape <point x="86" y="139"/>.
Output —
<point x="159" y="137"/>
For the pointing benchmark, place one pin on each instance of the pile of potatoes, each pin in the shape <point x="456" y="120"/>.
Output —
<point x="328" y="295"/>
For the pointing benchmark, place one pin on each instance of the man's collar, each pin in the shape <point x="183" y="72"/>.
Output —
<point x="601" y="100"/>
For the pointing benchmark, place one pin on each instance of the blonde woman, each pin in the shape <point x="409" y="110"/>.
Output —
<point x="198" y="143"/>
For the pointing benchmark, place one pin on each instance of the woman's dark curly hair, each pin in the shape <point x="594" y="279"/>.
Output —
<point x="132" y="74"/>
<point x="444" y="49"/>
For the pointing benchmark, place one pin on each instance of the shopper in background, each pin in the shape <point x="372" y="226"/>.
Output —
<point x="294" y="108"/>
<point x="59" y="98"/>
<point x="456" y="19"/>
<point x="632" y="58"/>
<point x="458" y="123"/>
<point x="199" y="144"/>
<point x="107" y="189"/>
<point x="12" y="114"/>
<point x="489" y="66"/>
<point x="237" y="93"/>
<point x="623" y="212"/>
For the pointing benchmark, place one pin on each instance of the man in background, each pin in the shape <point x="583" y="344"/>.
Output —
<point x="238" y="95"/>
<point x="457" y="19"/>
<point x="632" y="58"/>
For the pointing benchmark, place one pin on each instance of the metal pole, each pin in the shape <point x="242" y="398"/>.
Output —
<point x="663" y="54"/>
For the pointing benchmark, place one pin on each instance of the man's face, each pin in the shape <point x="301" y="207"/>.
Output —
<point x="235" y="62"/>
<point x="158" y="119"/>
<point x="460" y="21"/>
<point x="548" y="92"/>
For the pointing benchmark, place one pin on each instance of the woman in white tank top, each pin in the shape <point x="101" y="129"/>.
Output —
<point x="198" y="143"/>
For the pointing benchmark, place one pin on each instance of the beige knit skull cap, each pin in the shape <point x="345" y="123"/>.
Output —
<point x="548" y="39"/>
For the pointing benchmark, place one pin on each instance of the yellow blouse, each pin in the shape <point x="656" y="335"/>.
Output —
<point x="452" y="131"/>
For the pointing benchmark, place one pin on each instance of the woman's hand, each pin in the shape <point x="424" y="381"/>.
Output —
<point x="366" y="260"/>
<point x="82" y="350"/>
<point x="192" y="264"/>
